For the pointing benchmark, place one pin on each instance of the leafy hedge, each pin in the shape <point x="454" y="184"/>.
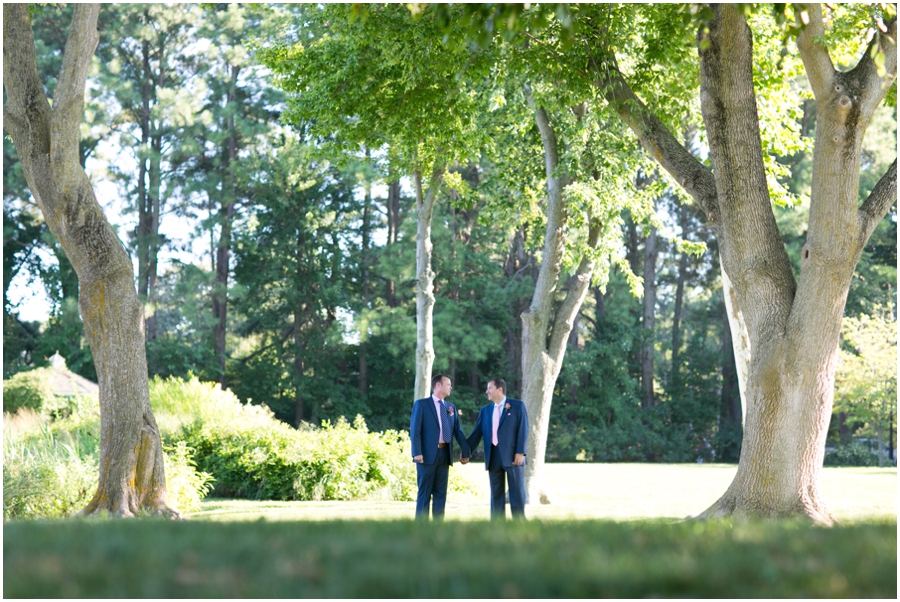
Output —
<point x="212" y="442"/>
<point x="29" y="390"/>
<point x="253" y="455"/>
<point x="851" y="455"/>
<point x="33" y="390"/>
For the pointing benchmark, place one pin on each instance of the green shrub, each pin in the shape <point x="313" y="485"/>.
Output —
<point x="34" y="390"/>
<point x="31" y="390"/>
<point x="253" y="455"/>
<point x="185" y="485"/>
<point x="851" y="455"/>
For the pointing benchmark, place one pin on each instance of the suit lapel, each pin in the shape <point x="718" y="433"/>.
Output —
<point x="434" y="411"/>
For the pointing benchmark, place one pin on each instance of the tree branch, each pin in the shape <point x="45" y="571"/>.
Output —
<point x="750" y="244"/>
<point x="819" y="69"/>
<point x="68" y="100"/>
<point x="13" y="123"/>
<point x="881" y="199"/>
<point x="571" y="305"/>
<point x="875" y="86"/>
<point x="27" y="107"/>
<point x="656" y="138"/>
<point x="554" y="234"/>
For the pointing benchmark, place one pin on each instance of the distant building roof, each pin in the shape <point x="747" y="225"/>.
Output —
<point x="68" y="384"/>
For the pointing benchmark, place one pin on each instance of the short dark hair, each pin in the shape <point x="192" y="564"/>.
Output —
<point x="500" y="384"/>
<point x="437" y="378"/>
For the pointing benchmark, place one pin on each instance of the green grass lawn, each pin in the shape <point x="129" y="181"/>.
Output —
<point x="399" y="559"/>
<point x="593" y="491"/>
<point x="612" y="531"/>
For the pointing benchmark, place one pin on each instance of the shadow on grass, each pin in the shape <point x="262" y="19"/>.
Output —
<point x="402" y="559"/>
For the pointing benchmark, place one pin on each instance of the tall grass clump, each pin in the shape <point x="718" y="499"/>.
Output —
<point x="46" y="473"/>
<point x="253" y="455"/>
<point x="50" y="466"/>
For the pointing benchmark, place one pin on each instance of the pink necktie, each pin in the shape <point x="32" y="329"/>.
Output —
<point x="496" y="424"/>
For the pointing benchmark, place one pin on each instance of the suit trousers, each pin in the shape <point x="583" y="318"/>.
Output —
<point x="499" y="477"/>
<point x="432" y="481"/>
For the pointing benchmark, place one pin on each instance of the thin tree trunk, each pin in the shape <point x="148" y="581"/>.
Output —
<point x="649" y="318"/>
<point x="679" y="297"/>
<point x="425" y="280"/>
<point x="153" y="246"/>
<point x="144" y="218"/>
<point x="740" y="343"/>
<point x="363" y="352"/>
<point x="516" y="261"/>
<point x="393" y="216"/>
<point x="544" y="334"/>
<point x="880" y="430"/>
<point x="730" y="411"/>
<point x="633" y="256"/>
<point x="600" y="309"/>
<point x="132" y="475"/>
<point x="226" y="219"/>
<point x="299" y="344"/>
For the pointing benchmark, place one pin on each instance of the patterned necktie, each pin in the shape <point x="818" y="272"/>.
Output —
<point x="496" y="424"/>
<point x="445" y="423"/>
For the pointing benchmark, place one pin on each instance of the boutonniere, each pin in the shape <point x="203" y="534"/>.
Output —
<point x="508" y="406"/>
<point x="450" y="410"/>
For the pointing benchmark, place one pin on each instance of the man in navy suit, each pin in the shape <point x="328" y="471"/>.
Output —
<point x="503" y="424"/>
<point x="432" y="427"/>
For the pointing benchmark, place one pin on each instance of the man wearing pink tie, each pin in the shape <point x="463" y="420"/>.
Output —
<point x="503" y="424"/>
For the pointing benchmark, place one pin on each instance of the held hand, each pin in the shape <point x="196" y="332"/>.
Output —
<point x="519" y="460"/>
<point x="418" y="459"/>
<point x="463" y="460"/>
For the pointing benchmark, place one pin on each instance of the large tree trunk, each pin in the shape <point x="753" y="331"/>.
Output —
<point x="792" y="327"/>
<point x="425" y="280"/>
<point x="132" y="476"/>
<point x="649" y="318"/>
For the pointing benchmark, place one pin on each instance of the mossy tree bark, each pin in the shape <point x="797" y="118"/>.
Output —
<point x="132" y="476"/>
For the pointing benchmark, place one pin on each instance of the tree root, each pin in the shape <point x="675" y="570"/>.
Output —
<point x="124" y="510"/>
<point x="728" y="507"/>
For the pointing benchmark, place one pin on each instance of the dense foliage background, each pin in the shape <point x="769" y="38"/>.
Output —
<point x="310" y="244"/>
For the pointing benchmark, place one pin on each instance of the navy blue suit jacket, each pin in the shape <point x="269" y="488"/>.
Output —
<point x="425" y="430"/>
<point x="512" y="433"/>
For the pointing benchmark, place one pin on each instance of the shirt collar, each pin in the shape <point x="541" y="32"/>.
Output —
<point x="501" y="402"/>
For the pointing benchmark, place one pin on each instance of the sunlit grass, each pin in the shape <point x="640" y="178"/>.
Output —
<point x="593" y="491"/>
